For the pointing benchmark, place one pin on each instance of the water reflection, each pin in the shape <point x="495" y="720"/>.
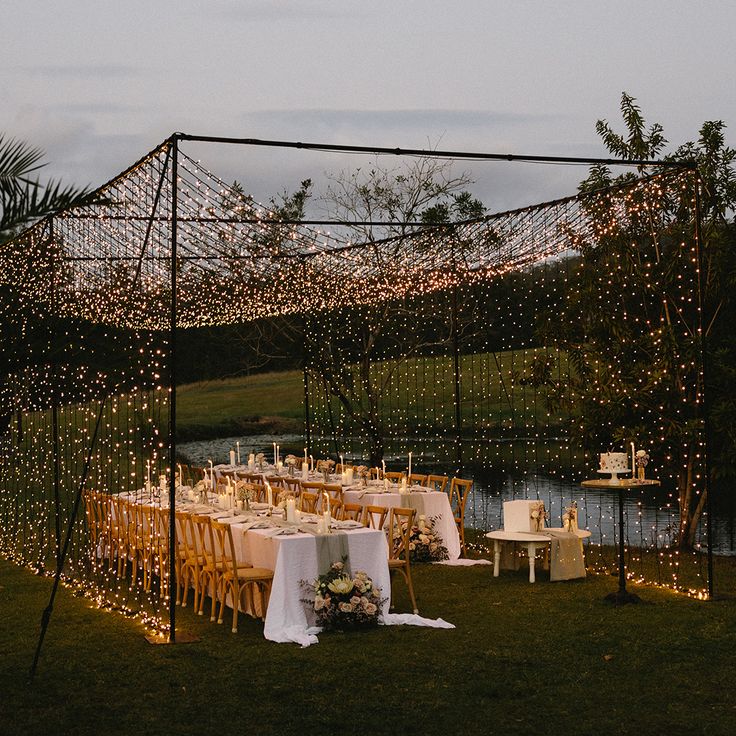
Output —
<point x="651" y="515"/>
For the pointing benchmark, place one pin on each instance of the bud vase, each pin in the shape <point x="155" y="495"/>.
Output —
<point x="640" y="472"/>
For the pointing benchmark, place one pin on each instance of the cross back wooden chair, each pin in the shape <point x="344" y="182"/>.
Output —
<point x="336" y="505"/>
<point x="292" y="484"/>
<point x="312" y="486"/>
<point x="161" y="555"/>
<point x="352" y="512"/>
<point x="334" y="489"/>
<point x="191" y="559"/>
<point x="208" y="566"/>
<point x="459" y="492"/>
<point x="399" y="533"/>
<point x="394" y="476"/>
<point x="438" y="482"/>
<point x="374" y="517"/>
<point x="308" y="502"/>
<point x="417" y="479"/>
<point x="235" y="579"/>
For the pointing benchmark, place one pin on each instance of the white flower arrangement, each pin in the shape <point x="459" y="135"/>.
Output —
<point x="570" y="517"/>
<point x="343" y="601"/>
<point x="538" y="516"/>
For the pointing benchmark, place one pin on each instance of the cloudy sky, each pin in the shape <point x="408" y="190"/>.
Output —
<point x="97" y="83"/>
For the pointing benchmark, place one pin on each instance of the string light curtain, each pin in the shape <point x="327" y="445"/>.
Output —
<point x="469" y="364"/>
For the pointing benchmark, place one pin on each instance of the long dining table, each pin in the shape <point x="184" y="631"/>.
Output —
<point x="296" y="554"/>
<point x="432" y="504"/>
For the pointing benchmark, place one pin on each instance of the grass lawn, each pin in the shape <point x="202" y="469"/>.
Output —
<point x="549" y="658"/>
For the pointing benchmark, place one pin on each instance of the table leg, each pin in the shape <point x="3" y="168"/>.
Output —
<point x="622" y="595"/>
<point x="532" y="552"/>
<point x="496" y="557"/>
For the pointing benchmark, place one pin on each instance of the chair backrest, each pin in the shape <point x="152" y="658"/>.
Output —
<point x="374" y="517"/>
<point x="437" y="482"/>
<point x="374" y="473"/>
<point x="203" y="530"/>
<point x="459" y="491"/>
<point x="335" y="507"/>
<point x="162" y="529"/>
<point x="186" y="537"/>
<point x="308" y="502"/>
<point x="416" y="479"/>
<point x="352" y="512"/>
<point x="399" y="533"/>
<point x="313" y="486"/>
<point x="394" y="475"/>
<point x="223" y="538"/>
<point x="292" y="484"/>
<point x="334" y="489"/>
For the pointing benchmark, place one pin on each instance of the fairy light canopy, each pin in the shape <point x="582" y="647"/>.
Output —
<point x="235" y="261"/>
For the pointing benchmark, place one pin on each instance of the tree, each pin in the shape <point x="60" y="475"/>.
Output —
<point x="637" y="354"/>
<point x="23" y="198"/>
<point x="384" y="202"/>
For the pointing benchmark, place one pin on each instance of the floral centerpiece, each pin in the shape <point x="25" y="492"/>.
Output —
<point x="642" y="459"/>
<point x="538" y="516"/>
<point x="342" y="601"/>
<point x="244" y="493"/>
<point x="570" y="517"/>
<point x="363" y="472"/>
<point x="291" y="462"/>
<point x="260" y="459"/>
<point x="425" y="543"/>
<point x="325" y="467"/>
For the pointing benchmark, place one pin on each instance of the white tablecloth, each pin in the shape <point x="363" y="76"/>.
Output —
<point x="429" y="503"/>
<point x="293" y="559"/>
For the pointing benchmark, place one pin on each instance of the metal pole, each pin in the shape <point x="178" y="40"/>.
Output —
<point x="172" y="396"/>
<point x="307" y="427"/>
<point x="703" y="405"/>
<point x="54" y="396"/>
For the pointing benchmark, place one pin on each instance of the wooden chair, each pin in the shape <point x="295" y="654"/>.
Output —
<point x="119" y="534"/>
<point x="235" y="579"/>
<point x="334" y="489"/>
<point x="459" y="491"/>
<point x="352" y="512"/>
<point x="191" y="559"/>
<point x="437" y="482"/>
<point x="292" y="484"/>
<point x="374" y="517"/>
<point x="313" y="486"/>
<point x="161" y="554"/>
<point x="208" y="563"/>
<point x="394" y="476"/>
<point x="336" y="505"/>
<point x="416" y="479"/>
<point x="308" y="502"/>
<point x="399" y="532"/>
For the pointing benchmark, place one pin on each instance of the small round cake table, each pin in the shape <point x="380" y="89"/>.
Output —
<point x="621" y="596"/>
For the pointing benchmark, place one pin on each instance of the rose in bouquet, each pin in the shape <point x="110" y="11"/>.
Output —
<point x="363" y="472"/>
<point x="342" y="601"/>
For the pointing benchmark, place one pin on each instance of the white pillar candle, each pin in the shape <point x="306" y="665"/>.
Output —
<point x="232" y="457"/>
<point x="148" y="475"/>
<point x="383" y="465"/>
<point x="311" y="463"/>
<point x="269" y="495"/>
<point x="212" y="476"/>
<point x="237" y="445"/>
<point x="410" y="464"/>
<point x="181" y="476"/>
<point x="326" y="521"/>
<point x="290" y="509"/>
<point x="633" y="460"/>
<point x="305" y="470"/>
<point x="251" y="461"/>
<point x="305" y="454"/>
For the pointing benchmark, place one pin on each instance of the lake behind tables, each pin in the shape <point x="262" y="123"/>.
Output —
<point x="651" y="514"/>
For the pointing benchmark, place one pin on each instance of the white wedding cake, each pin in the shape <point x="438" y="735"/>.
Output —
<point x="614" y="462"/>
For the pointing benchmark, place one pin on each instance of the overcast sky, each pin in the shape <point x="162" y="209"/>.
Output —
<point x="98" y="83"/>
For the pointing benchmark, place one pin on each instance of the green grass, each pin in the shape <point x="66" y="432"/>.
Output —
<point x="232" y="405"/>
<point x="548" y="658"/>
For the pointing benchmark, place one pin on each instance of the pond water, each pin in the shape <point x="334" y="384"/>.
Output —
<point x="650" y="516"/>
